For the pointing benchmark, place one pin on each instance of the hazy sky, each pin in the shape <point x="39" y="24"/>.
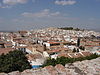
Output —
<point x="31" y="14"/>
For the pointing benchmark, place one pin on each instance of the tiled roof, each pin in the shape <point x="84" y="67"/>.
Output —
<point x="64" y="54"/>
<point x="53" y="51"/>
<point x="85" y="53"/>
<point x="53" y="42"/>
<point x="6" y="50"/>
<point x="33" y="56"/>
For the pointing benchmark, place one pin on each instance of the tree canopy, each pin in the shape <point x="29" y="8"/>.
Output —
<point x="13" y="61"/>
<point x="65" y="60"/>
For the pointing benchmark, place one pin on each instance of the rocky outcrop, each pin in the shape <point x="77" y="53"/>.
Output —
<point x="87" y="67"/>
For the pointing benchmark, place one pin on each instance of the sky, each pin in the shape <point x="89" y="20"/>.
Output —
<point x="35" y="14"/>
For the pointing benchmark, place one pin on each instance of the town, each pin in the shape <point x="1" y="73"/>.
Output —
<point x="50" y="42"/>
<point x="49" y="37"/>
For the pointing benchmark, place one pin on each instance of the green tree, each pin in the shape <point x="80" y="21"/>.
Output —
<point x="77" y="50"/>
<point x="82" y="48"/>
<point x="64" y="60"/>
<point x="13" y="61"/>
<point x="78" y="42"/>
<point x="74" y="50"/>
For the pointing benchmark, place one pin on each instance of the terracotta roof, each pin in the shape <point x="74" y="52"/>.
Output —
<point x="33" y="56"/>
<point x="8" y="44"/>
<point x="53" y="51"/>
<point x="53" y="42"/>
<point x="6" y="50"/>
<point x="78" y="55"/>
<point x="21" y="46"/>
<point x="63" y="54"/>
<point x="72" y="55"/>
<point x="30" y="48"/>
<point x="86" y="53"/>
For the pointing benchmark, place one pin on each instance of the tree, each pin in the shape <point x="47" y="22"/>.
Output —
<point x="65" y="60"/>
<point x="82" y="48"/>
<point x="77" y="50"/>
<point x="13" y="61"/>
<point x="74" y="50"/>
<point x="78" y="42"/>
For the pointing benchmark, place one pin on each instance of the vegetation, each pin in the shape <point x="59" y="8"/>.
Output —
<point x="78" y="42"/>
<point x="70" y="28"/>
<point x="65" y="60"/>
<point x="67" y="28"/>
<point x="13" y="61"/>
<point x="77" y="50"/>
<point x="82" y="48"/>
<point x="74" y="50"/>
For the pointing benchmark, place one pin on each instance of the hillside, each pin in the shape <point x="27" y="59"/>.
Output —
<point x="87" y="67"/>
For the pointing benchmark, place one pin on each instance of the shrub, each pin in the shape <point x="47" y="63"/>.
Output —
<point x="13" y="61"/>
<point x="65" y="60"/>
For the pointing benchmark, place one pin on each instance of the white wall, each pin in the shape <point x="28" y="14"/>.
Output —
<point x="47" y="44"/>
<point x="45" y="54"/>
<point x="29" y="51"/>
